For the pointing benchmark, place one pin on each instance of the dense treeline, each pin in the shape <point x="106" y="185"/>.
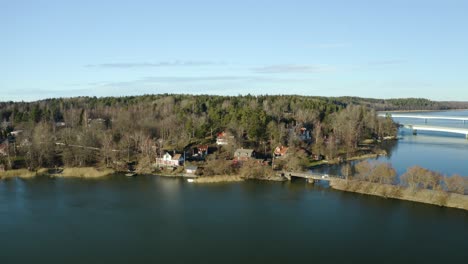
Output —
<point x="403" y="104"/>
<point x="89" y="131"/>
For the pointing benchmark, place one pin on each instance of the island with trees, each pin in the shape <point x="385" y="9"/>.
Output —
<point x="211" y="137"/>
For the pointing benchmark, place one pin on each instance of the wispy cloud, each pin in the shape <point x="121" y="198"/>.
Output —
<point x="177" y="63"/>
<point x="151" y="80"/>
<point x="293" y="68"/>
<point x="222" y="85"/>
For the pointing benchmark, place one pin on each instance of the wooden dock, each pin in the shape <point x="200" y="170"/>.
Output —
<point x="310" y="177"/>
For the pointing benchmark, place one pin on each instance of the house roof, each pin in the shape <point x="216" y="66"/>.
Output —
<point x="224" y="135"/>
<point x="176" y="157"/>
<point x="202" y="147"/>
<point x="281" y="150"/>
<point x="244" y="153"/>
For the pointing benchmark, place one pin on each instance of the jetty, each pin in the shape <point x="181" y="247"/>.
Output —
<point x="310" y="177"/>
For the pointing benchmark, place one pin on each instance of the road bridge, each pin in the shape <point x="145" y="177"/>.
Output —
<point x="428" y="117"/>
<point x="455" y="130"/>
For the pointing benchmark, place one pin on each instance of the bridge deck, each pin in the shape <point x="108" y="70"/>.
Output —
<point x="459" y="118"/>
<point x="463" y="131"/>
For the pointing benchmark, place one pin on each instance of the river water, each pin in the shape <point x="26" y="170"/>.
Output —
<point x="150" y="219"/>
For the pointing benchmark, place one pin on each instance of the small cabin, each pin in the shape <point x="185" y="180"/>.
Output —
<point x="244" y="154"/>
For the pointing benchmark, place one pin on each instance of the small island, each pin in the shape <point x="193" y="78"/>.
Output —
<point x="217" y="139"/>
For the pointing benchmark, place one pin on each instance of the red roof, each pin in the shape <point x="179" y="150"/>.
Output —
<point x="281" y="150"/>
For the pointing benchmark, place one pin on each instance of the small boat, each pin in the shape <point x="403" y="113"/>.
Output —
<point x="130" y="174"/>
<point x="189" y="180"/>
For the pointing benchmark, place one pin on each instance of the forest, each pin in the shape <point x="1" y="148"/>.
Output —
<point x="113" y="131"/>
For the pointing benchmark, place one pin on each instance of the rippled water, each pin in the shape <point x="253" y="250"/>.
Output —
<point x="158" y="220"/>
<point x="443" y="152"/>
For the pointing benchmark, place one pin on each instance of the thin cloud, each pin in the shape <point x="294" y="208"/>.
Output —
<point x="293" y="68"/>
<point x="126" y="65"/>
<point x="189" y="80"/>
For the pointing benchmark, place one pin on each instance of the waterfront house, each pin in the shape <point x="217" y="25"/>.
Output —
<point x="224" y="138"/>
<point x="280" y="151"/>
<point x="244" y="154"/>
<point x="169" y="160"/>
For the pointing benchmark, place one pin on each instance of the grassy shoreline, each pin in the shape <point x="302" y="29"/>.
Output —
<point x="22" y="173"/>
<point x="219" y="179"/>
<point x="73" y="172"/>
<point x="440" y="198"/>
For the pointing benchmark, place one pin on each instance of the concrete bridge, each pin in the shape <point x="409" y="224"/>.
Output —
<point x="416" y="128"/>
<point x="428" y="117"/>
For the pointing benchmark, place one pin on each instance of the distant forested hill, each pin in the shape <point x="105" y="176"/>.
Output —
<point x="402" y="104"/>
<point x="110" y="130"/>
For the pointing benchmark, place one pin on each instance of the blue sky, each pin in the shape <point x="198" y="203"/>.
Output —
<point x="382" y="49"/>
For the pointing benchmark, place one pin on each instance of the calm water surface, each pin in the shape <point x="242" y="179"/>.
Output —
<point x="150" y="219"/>
<point x="443" y="152"/>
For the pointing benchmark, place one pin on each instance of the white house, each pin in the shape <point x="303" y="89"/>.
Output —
<point x="170" y="161"/>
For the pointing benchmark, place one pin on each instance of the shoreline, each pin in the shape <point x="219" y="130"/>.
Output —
<point x="72" y="172"/>
<point x="219" y="179"/>
<point x="432" y="197"/>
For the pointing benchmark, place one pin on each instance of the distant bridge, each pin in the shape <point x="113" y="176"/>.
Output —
<point x="416" y="128"/>
<point x="427" y="117"/>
